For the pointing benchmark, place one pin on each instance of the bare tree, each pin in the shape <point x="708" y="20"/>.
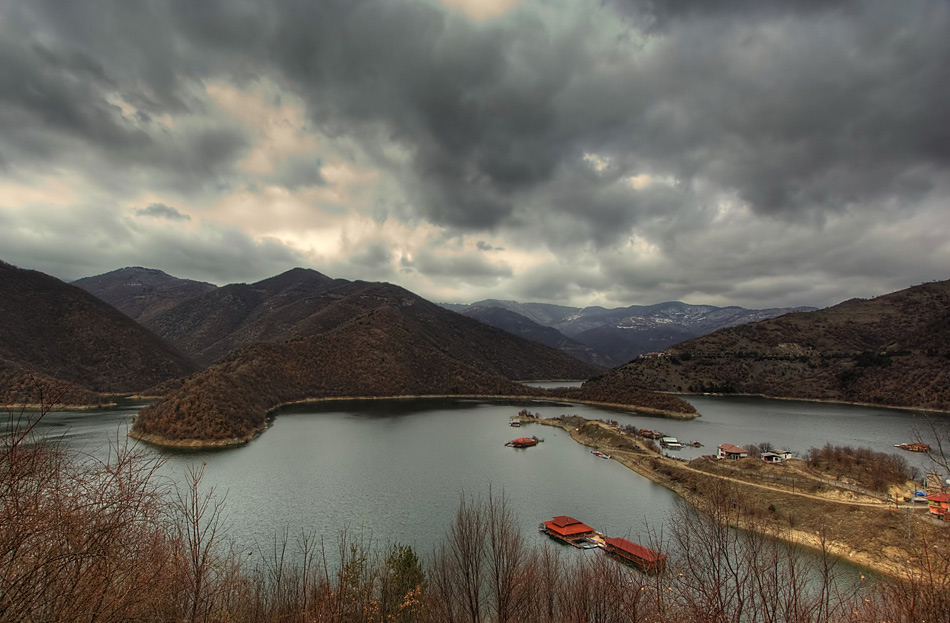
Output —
<point x="199" y="531"/>
<point x="506" y="558"/>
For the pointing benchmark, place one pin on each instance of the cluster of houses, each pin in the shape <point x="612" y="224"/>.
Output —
<point x="938" y="501"/>
<point x="729" y="451"/>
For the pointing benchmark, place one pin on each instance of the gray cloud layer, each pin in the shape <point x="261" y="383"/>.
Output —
<point x="797" y="115"/>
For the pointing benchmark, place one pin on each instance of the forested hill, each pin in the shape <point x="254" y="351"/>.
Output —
<point x="300" y="303"/>
<point x="142" y="293"/>
<point x="395" y="349"/>
<point x="891" y="350"/>
<point x="63" y="337"/>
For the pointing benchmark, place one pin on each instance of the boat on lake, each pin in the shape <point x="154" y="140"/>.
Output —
<point x="523" y="442"/>
<point x="913" y="447"/>
<point x="600" y="454"/>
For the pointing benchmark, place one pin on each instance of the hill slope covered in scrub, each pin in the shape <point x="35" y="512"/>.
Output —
<point x="892" y="350"/>
<point x="58" y="336"/>
<point x="395" y="349"/>
<point x="301" y="303"/>
<point x="142" y="293"/>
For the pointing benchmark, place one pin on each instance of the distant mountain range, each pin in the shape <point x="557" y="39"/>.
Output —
<point x="300" y="303"/>
<point x="610" y="337"/>
<point x="55" y="337"/>
<point x="891" y="350"/>
<point x="303" y="335"/>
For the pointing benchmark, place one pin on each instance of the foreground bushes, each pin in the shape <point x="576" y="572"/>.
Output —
<point x="104" y="542"/>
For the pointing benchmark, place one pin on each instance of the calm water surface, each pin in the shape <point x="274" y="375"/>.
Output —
<point x="395" y="470"/>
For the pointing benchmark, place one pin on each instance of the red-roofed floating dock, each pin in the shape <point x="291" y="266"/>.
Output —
<point x="569" y="530"/>
<point x="642" y="557"/>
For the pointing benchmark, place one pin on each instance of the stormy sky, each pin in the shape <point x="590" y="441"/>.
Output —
<point x="583" y="152"/>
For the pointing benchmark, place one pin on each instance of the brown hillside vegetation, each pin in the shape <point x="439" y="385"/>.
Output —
<point x="57" y="330"/>
<point x="302" y="302"/>
<point x="893" y="350"/>
<point x="142" y="293"/>
<point x="383" y="353"/>
<point x="610" y="389"/>
<point x="20" y="386"/>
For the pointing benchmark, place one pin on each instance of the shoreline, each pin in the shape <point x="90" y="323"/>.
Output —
<point x="197" y="444"/>
<point x="817" y="400"/>
<point x="39" y="408"/>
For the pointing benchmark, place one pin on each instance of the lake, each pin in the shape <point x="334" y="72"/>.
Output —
<point x="394" y="470"/>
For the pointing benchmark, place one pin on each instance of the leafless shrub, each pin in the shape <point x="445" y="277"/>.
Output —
<point x="81" y="541"/>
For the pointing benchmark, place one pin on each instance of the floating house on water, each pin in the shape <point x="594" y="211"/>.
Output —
<point x="567" y="530"/>
<point x="643" y="557"/>
<point x="670" y="442"/>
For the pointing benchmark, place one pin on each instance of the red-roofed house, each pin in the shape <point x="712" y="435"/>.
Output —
<point x="729" y="451"/>
<point x="567" y="529"/>
<point x="567" y="526"/>
<point x="939" y="505"/>
<point x="643" y="557"/>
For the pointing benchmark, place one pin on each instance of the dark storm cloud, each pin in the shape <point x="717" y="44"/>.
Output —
<point x="533" y="123"/>
<point x="63" y="67"/>
<point x="798" y="107"/>
<point x="160" y="210"/>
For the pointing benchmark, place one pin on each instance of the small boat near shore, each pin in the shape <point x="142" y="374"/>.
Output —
<point x="913" y="447"/>
<point x="600" y="454"/>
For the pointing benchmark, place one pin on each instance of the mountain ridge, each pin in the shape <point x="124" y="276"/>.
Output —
<point x="892" y="350"/>
<point x="620" y="334"/>
<point x="54" y="333"/>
